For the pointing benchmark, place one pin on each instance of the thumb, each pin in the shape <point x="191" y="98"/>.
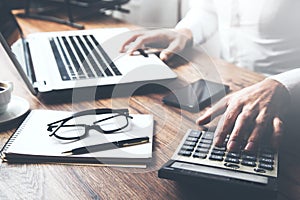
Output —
<point x="165" y="55"/>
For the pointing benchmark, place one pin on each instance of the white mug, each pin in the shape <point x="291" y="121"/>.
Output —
<point x="5" y="95"/>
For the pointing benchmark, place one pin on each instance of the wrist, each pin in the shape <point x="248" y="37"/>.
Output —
<point x="280" y="89"/>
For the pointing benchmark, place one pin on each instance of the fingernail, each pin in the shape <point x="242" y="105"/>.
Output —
<point x="198" y="121"/>
<point x="163" y="57"/>
<point x="204" y="128"/>
<point x="250" y="146"/>
<point x="232" y="145"/>
<point x="217" y="142"/>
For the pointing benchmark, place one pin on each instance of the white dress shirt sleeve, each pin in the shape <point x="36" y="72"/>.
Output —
<point x="291" y="80"/>
<point x="201" y="19"/>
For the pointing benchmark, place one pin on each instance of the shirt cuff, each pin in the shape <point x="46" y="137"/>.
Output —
<point x="291" y="80"/>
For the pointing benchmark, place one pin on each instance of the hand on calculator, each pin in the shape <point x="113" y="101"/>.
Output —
<point x="252" y="112"/>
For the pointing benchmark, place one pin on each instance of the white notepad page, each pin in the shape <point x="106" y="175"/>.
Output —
<point x="32" y="138"/>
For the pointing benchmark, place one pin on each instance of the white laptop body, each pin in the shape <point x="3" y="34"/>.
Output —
<point x="47" y="76"/>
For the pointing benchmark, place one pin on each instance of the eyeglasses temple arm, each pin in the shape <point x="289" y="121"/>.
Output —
<point x="101" y="120"/>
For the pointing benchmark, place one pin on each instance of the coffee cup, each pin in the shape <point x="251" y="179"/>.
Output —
<point x="5" y="95"/>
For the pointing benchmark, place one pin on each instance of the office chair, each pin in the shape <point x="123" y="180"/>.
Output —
<point x="87" y="6"/>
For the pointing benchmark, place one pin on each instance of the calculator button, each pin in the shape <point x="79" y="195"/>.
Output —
<point x="266" y="161"/>
<point x="188" y="148"/>
<point x="266" y="166"/>
<point x="259" y="170"/>
<point x="232" y="165"/>
<point x="199" y="155"/>
<point x="188" y="143"/>
<point x="205" y="141"/>
<point x="185" y="153"/>
<point x="218" y="152"/>
<point x="267" y="155"/>
<point x="248" y="163"/>
<point x="232" y="160"/>
<point x="202" y="150"/>
<point x="216" y="157"/>
<point x="219" y="148"/>
<point x="206" y="146"/>
<point x="192" y="139"/>
<point x="195" y="134"/>
<point x="208" y="135"/>
<point x="233" y="155"/>
<point x="249" y="158"/>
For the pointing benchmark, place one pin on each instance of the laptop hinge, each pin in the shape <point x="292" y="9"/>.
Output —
<point x="28" y="62"/>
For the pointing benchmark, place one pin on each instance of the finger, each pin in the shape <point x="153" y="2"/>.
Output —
<point x="213" y="112"/>
<point x="140" y="43"/>
<point x="261" y="124"/>
<point x="241" y="126"/>
<point x="165" y="55"/>
<point x="277" y="132"/>
<point x="219" y="137"/>
<point x="130" y="40"/>
<point x="174" y="47"/>
<point x="226" y="124"/>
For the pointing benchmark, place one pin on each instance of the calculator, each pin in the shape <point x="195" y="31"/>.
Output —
<point x="197" y="160"/>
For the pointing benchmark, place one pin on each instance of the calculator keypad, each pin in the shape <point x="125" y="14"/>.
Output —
<point x="198" y="146"/>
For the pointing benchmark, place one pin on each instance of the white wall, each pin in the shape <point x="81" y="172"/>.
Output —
<point x="153" y="13"/>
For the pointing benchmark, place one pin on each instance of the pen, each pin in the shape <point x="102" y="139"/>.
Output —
<point x="107" y="146"/>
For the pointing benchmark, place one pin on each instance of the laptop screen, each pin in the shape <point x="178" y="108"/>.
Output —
<point x="11" y="34"/>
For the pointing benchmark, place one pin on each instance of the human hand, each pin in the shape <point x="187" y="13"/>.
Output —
<point x="250" y="113"/>
<point x="172" y="40"/>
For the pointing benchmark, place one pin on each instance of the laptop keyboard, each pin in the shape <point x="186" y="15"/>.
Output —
<point x="82" y="57"/>
<point x="197" y="147"/>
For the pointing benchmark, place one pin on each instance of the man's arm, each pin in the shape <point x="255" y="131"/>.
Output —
<point x="201" y="19"/>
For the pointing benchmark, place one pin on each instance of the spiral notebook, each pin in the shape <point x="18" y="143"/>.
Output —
<point x="31" y="143"/>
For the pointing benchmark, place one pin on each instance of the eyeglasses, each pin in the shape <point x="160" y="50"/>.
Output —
<point x="77" y="126"/>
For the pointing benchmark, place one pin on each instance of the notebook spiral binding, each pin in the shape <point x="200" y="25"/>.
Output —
<point x="13" y="137"/>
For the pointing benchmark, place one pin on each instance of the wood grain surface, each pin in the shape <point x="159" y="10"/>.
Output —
<point x="45" y="181"/>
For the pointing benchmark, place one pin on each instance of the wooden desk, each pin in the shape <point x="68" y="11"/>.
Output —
<point x="43" y="181"/>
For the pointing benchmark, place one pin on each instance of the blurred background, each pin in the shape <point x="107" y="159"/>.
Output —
<point x="143" y="13"/>
<point x="155" y="13"/>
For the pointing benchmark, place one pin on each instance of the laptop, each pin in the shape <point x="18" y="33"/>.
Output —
<point x="56" y="61"/>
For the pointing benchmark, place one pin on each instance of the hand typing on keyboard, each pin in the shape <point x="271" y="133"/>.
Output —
<point x="252" y="112"/>
<point x="173" y="41"/>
